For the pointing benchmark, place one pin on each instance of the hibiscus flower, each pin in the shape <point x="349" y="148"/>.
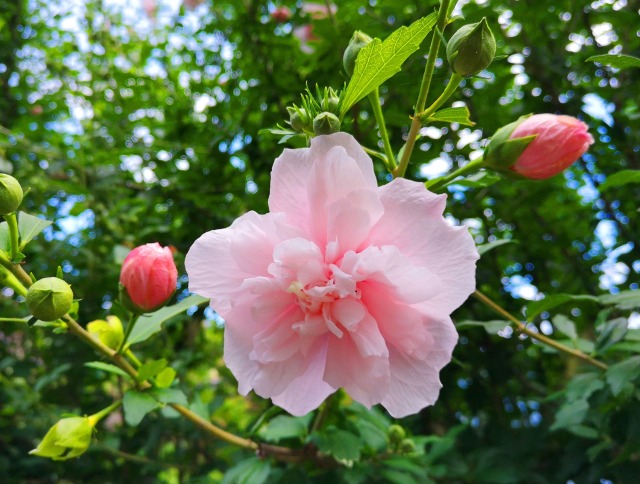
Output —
<point x="343" y="284"/>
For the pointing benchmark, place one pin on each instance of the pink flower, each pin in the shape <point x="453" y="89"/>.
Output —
<point x="148" y="277"/>
<point x="560" y="141"/>
<point x="343" y="284"/>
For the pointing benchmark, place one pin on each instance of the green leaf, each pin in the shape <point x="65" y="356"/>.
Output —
<point x="484" y="248"/>
<point x="373" y="436"/>
<point x="610" y="333"/>
<point x="30" y="226"/>
<point x="565" y="326"/>
<point x="549" y="302"/>
<point x="248" y="471"/>
<point x="620" y="178"/>
<point x="165" y="377"/>
<point x="170" y="395"/>
<point x="108" y="367"/>
<point x="481" y="179"/>
<point x="338" y="443"/>
<point x="379" y="61"/>
<point x="582" y="386"/>
<point x="5" y="238"/>
<point x="617" y="61"/>
<point x="491" y="327"/>
<point x="570" y="414"/>
<point x="452" y="115"/>
<point x="620" y="374"/>
<point x="137" y="405"/>
<point x="151" y="368"/>
<point x="286" y="427"/>
<point x="623" y="300"/>
<point x="149" y="324"/>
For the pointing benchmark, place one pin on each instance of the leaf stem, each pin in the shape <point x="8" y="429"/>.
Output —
<point x="8" y="279"/>
<point x="452" y="85"/>
<point x="14" y="234"/>
<point x="15" y="269"/>
<point x="130" y="325"/>
<point x="96" y="417"/>
<point x="374" y="98"/>
<point x="438" y="183"/>
<point x="441" y="22"/>
<point x="520" y="326"/>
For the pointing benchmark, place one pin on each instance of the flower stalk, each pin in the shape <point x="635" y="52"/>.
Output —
<point x="521" y="327"/>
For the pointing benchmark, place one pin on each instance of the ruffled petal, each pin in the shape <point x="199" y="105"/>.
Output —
<point x="415" y="383"/>
<point x="413" y="222"/>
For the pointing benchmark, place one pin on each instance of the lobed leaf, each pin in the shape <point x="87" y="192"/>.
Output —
<point x="380" y="60"/>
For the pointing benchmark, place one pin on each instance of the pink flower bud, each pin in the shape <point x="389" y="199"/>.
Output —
<point x="560" y="141"/>
<point x="148" y="278"/>
<point x="281" y="14"/>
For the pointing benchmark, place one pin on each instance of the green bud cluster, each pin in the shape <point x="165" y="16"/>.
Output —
<point x="317" y="114"/>
<point x="49" y="299"/>
<point x="10" y="194"/>
<point x="471" y="49"/>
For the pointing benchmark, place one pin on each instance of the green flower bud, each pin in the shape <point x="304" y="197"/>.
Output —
<point x="471" y="49"/>
<point x="298" y="118"/>
<point x="109" y="332"/>
<point x="10" y="194"/>
<point x="396" y="434"/>
<point x="326" y="123"/>
<point x="330" y="101"/>
<point x="407" y="446"/>
<point x="357" y="42"/>
<point x="68" y="438"/>
<point x="49" y="299"/>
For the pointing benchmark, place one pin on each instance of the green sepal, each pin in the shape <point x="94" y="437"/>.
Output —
<point x="68" y="438"/>
<point x="502" y="152"/>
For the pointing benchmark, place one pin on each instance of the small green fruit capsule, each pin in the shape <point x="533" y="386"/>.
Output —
<point x="407" y="446"/>
<point x="49" y="299"/>
<point x="471" y="49"/>
<point x="10" y="194"/>
<point x="331" y="101"/>
<point x="357" y="42"/>
<point x="396" y="433"/>
<point x="326" y="123"/>
<point x="298" y="118"/>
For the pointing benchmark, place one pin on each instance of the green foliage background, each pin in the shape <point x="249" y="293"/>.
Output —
<point x="131" y="129"/>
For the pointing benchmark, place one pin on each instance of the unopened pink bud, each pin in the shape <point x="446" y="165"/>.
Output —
<point x="560" y="141"/>
<point x="148" y="277"/>
<point x="281" y="14"/>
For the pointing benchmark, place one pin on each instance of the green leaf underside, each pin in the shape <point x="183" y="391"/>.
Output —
<point x="149" y="324"/>
<point x="339" y="443"/>
<point x="620" y="178"/>
<point x="620" y="374"/>
<point x="617" y="61"/>
<point x="459" y="115"/>
<point x="286" y="427"/>
<point x="484" y="248"/>
<point x="109" y="368"/>
<point x="137" y="405"/>
<point x="623" y="300"/>
<point x="380" y="60"/>
<point x="30" y="226"/>
<point x="491" y="327"/>
<point x="249" y="471"/>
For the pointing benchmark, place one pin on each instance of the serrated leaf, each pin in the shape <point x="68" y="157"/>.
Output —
<point x="30" y="226"/>
<point x="108" y="367"/>
<point x="458" y="115"/>
<point x="151" y="368"/>
<point x="620" y="374"/>
<point x="149" y="324"/>
<point x="549" y="302"/>
<point x="620" y="178"/>
<point x="484" y="248"/>
<point x="380" y="60"/>
<point x="338" y="443"/>
<point x="137" y="405"/>
<point x="617" y="61"/>
<point x="565" y="326"/>
<point x="170" y="395"/>
<point x="610" y="333"/>
<point x="165" y="377"/>
<point x="623" y="300"/>
<point x="248" y="471"/>
<point x="286" y="427"/>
